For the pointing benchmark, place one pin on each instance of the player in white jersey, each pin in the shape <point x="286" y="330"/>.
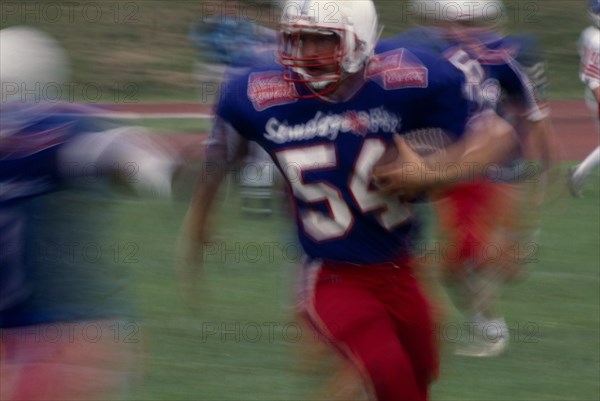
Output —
<point x="589" y="73"/>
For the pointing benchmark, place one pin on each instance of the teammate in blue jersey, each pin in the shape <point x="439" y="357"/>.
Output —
<point x="507" y="74"/>
<point x="326" y="113"/>
<point x="230" y="42"/>
<point x="64" y="305"/>
<point x="231" y="39"/>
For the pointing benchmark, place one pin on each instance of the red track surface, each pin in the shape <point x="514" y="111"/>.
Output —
<point x="576" y="131"/>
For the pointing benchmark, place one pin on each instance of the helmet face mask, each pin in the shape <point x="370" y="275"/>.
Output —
<point x="319" y="70"/>
<point x="323" y="42"/>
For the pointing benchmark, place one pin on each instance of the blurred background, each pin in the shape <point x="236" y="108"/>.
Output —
<point x="117" y="44"/>
<point x="240" y="341"/>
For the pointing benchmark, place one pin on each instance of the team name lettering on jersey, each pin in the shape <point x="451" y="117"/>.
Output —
<point x="330" y="125"/>
<point x="268" y="89"/>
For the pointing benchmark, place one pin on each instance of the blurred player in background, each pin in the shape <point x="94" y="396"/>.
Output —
<point x="326" y="114"/>
<point x="489" y="225"/>
<point x="228" y="40"/>
<point x="66" y="328"/>
<point x="589" y="73"/>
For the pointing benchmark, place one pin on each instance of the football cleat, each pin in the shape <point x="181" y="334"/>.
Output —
<point x="574" y="183"/>
<point x="482" y="348"/>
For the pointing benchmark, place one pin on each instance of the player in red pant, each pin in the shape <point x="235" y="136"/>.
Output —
<point x="380" y="334"/>
<point x="326" y="113"/>
<point x="488" y="227"/>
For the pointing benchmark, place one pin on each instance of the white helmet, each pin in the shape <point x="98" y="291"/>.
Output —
<point x="481" y="12"/>
<point x="30" y="62"/>
<point x="354" y="21"/>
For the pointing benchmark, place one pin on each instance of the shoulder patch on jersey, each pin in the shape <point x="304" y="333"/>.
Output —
<point x="269" y="88"/>
<point x="397" y="69"/>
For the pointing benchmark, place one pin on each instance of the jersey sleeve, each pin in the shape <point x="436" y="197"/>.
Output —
<point x="522" y="89"/>
<point x="226" y="142"/>
<point x="530" y="58"/>
<point x="524" y="78"/>
<point x="446" y="105"/>
<point x="129" y="151"/>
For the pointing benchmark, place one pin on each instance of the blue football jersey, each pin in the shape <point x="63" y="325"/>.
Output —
<point x="49" y="226"/>
<point x="505" y="73"/>
<point x="327" y="150"/>
<point x="512" y="67"/>
<point x="32" y="136"/>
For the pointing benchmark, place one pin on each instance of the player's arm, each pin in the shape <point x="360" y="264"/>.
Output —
<point x="127" y="153"/>
<point x="528" y="84"/>
<point x="224" y="149"/>
<point x="488" y="140"/>
<point x="596" y="93"/>
<point x="541" y="145"/>
<point x="484" y="138"/>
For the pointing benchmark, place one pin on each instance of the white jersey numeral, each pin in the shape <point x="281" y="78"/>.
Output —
<point x="473" y="73"/>
<point x="338" y="222"/>
<point x="390" y="212"/>
<point x="295" y="162"/>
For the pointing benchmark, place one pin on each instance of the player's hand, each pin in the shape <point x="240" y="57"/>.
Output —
<point x="407" y="175"/>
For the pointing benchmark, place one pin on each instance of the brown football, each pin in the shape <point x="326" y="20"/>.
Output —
<point x="390" y="155"/>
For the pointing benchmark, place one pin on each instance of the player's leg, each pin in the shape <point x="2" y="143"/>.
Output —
<point x="470" y="217"/>
<point x="498" y="262"/>
<point x="413" y="316"/>
<point x="465" y="224"/>
<point x="347" y="310"/>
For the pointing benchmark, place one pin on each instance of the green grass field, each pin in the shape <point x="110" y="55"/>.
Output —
<point x="241" y="342"/>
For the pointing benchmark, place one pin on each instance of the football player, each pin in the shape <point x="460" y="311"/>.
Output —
<point x="64" y="308"/>
<point x="589" y="73"/>
<point x="326" y="112"/>
<point x="487" y="225"/>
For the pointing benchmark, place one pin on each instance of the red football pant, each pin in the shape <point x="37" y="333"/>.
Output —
<point x="378" y="317"/>
<point x="471" y="217"/>
<point x="74" y="361"/>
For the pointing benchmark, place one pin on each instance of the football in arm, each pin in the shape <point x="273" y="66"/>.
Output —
<point x="390" y="155"/>
<point x="422" y="141"/>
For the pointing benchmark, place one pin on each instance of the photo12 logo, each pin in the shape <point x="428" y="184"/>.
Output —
<point x="54" y="92"/>
<point x="69" y="12"/>
<point x="116" y="331"/>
